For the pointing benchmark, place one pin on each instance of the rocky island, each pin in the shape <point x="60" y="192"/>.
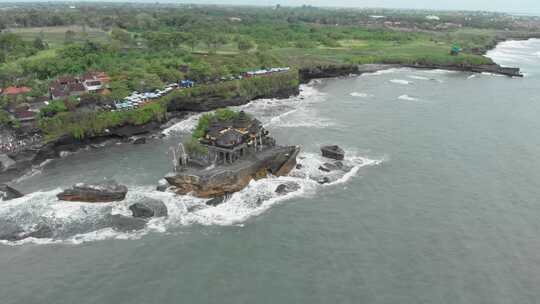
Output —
<point x="228" y="150"/>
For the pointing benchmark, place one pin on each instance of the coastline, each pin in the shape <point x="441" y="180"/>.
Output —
<point x="28" y="159"/>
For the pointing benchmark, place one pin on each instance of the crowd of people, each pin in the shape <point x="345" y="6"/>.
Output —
<point x="11" y="144"/>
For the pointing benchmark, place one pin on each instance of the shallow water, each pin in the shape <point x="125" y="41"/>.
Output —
<point x="439" y="205"/>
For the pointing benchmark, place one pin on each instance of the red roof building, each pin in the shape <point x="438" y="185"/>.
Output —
<point x="16" y="90"/>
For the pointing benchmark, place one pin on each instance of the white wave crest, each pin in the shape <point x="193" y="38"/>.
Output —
<point x="78" y="223"/>
<point x="408" y="98"/>
<point x="360" y="94"/>
<point x="400" y="81"/>
<point x="383" y="72"/>
<point x="418" y="77"/>
<point x="184" y="126"/>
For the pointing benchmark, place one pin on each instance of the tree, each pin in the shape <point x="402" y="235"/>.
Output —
<point x="121" y="35"/>
<point x="144" y="82"/>
<point x="39" y="44"/>
<point x="214" y="40"/>
<point x="200" y="71"/>
<point x="245" y="44"/>
<point x="70" y="37"/>
<point x="119" y="89"/>
<point x="191" y="40"/>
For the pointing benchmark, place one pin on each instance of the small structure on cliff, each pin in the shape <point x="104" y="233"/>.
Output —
<point x="229" y="140"/>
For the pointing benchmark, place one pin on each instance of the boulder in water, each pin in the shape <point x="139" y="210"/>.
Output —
<point x="138" y="140"/>
<point x="327" y="167"/>
<point x="8" y="193"/>
<point x="108" y="191"/>
<point x="216" y="201"/>
<point x="287" y="188"/>
<point x="6" y="162"/>
<point x="148" y="208"/>
<point x="333" y="152"/>
<point x="126" y="223"/>
<point x="323" y="180"/>
<point x="163" y="184"/>
<point x="40" y="231"/>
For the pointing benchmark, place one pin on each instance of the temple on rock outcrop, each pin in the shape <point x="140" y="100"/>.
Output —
<point x="230" y="140"/>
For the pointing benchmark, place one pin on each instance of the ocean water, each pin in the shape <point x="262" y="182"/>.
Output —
<point x="438" y="204"/>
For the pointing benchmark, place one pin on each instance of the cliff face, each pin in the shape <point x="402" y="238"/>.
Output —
<point x="222" y="180"/>
<point x="233" y="93"/>
<point x="329" y="71"/>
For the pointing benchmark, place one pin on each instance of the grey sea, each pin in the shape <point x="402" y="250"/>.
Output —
<point x="440" y="203"/>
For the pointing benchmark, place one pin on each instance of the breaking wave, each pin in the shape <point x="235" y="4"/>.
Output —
<point x="184" y="126"/>
<point x="383" y="72"/>
<point x="76" y="223"/>
<point x="408" y="98"/>
<point x="360" y="95"/>
<point x="40" y="218"/>
<point x="400" y="81"/>
<point x="418" y="77"/>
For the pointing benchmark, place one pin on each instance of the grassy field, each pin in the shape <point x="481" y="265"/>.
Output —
<point x="55" y="36"/>
<point x="373" y="51"/>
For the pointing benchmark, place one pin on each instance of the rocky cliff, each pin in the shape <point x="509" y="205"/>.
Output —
<point x="233" y="93"/>
<point x="224" y="180"/>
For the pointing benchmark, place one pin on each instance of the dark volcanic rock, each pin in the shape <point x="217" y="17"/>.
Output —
<point x="139" y="140"/>
<point x="126" y="223"/>
<point x="195" y="208"/>
<point x="328" y="71"/>
<point x="323" y="180"/>
<point x="223" y="180"/>
<point x="216" y="201"/>
<point x="8" y="193"/>
<point x="287" y="188"/>
<point x="148" y="208"/>
<point x="107" y="191"/>
<point x="10" y="230"/>
<point x="333" y="152"/>
<point x="327" y="167"/>
<point x="41" y="231"/>
<point x="162" y="185"/>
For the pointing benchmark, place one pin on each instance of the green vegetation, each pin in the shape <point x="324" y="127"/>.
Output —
<point x="204" y="121"/>
<point x="142" y="47"/>
<point x="81" y="124"/>
<point x="194" y="147"/>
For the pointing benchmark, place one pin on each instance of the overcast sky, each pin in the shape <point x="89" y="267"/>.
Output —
<point x="529" y="7"/>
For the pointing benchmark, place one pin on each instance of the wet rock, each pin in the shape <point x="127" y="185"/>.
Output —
<point x="216" y="201"/>
<point x="41" y="231"/>
<point x="220" y="181"/>
<point x="323" y="180"/>
<point x="148" y="208"/>
<point x="10" y="230"/>
<point x="6" y="162"/>
<point x="108" y="191"/>
<point x="327" y="167"/>
<point x="8" y="193"/>
<point x="126" y="223"/>
<point x="299" y="166"/>
<point x="287" y="188"/>
<point x="195" y="208"/>
<point x="138" y="140"/>
<point x="162" y="185"/>
<point x="324" y="168"/>
<point x="333" y="152"/>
